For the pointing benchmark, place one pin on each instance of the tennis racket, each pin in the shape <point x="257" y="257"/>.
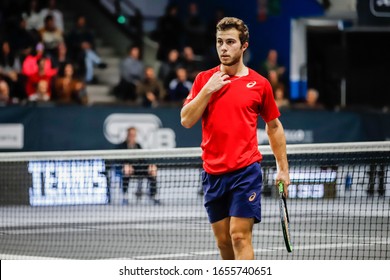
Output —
<point x="284" y="218"/>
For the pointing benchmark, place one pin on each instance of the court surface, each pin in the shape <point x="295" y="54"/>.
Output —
<point x="178" y="229"/>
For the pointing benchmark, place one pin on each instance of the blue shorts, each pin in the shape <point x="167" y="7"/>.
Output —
<point x="234" y="194"/>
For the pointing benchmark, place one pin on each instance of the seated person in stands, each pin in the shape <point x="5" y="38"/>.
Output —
<point x="179" y="87"/>
<point x="167" y="70"/>
<point x="37" y="68"/>
<point x="67" y="88"/>
<point x="280" y="98"/>
<point x="51" y="8"/>
<point x="131" y="74"/>
<point x="82" y="50"/>
<point x="192" y="63"/>
<point x="150" y="89"/>
<point x="42" y="92"/>
<point x="138" y="170"/>
<point x="51" y="37"/>
<point x="311" y="101"/>
<point x="10" y="68"/>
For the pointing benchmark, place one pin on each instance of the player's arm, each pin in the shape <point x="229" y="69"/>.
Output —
<point x="193" y="111"/>
<point x="277" y="141"/>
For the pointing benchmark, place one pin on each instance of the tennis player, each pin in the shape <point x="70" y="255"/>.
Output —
<point x="229" y="98"/>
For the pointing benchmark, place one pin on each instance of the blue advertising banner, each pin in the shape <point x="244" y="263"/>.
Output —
<point x="97" y="128"/>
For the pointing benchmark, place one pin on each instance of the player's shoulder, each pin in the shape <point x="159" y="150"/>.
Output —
<point x="255" y="75"/>
<point x="260" y="79"/>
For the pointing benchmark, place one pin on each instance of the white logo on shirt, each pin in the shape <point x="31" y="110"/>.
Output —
<point x="251" y="84"/>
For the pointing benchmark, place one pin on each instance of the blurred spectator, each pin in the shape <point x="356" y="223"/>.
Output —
<point x="271" y="64"/>
<point x="91" y="58"/>
<point x="195" y="30"/>
<point x="191" y="63"/>
<point x="273" y="78"/>
<point x="5" y="98"/>
<point x="312" y="97"/>
<point x="68" y="89"/>
<point x="281" y="101"/>
<point x="9" y="62"/>
<point x="167" y="71"/>
<point x="42" y="92"/>
<point x="62" y="57"/>
<point x="311" y="101"/>
<point x="150" y="90"/>
<point x="23" y="41"/>
<point x="10" y="69"/>
<point x="51" y="37"/>
<point x="169" y="31"/>
<point x="51" y="9"/>
<point x="32" y="15"/>
<point x="36" y="68"/>
<point x="82" y="49"/>
<point x="138" y="170"/>
<point x="131" y="73"/>
<point x="179" y="87"/>
<point x="80" y="33"/>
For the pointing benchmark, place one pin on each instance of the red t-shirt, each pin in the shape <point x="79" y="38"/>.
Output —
<point x="229" y="122"/>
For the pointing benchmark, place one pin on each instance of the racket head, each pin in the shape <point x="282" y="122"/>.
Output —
<point x="284" y="219"/>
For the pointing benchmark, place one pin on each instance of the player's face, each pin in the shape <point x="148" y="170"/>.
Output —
<point x="229" y="47"/>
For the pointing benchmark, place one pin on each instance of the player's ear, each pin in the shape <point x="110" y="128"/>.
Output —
<point x="245" y="46"/>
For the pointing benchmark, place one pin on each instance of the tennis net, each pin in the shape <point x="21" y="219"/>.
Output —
<point x="71" y="205"/>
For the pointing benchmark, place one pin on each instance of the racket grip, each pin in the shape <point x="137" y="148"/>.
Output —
<point x="281" y="187"/>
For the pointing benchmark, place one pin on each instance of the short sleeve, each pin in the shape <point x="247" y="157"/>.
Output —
<point x="196" y="87"/>
<point x="269" y="110"/>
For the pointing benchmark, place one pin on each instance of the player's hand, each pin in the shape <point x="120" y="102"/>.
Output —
<point x="283" y="177"/>
<point x="216" y="82"/>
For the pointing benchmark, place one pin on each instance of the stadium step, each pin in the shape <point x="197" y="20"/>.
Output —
<point x="99" y="94"/>
<point x="105" y="51"/>
<point x="108" y="76"/>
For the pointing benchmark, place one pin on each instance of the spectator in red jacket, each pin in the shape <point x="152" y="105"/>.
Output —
<point x="37" y="68"/>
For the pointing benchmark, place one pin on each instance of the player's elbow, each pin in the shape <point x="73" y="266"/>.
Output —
<point x="186" y="123"/>
<point x="185" y="119"/>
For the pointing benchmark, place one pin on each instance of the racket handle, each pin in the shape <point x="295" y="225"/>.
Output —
<point x="281" y="187"/>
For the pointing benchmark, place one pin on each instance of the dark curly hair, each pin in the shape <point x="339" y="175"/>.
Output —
<point x="231" y="22"/>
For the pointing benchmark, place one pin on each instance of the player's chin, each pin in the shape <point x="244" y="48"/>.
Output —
<point x="228" y="61"/>
<point x="224" y="59"/>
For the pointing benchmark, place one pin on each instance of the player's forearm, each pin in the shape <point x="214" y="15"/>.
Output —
<point x="193" y="111"/>
<point x="277" y="142"/>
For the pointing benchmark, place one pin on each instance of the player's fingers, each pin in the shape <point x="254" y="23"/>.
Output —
<point x="225" y="78"/>
<point x="221" y="75"/>
<point x="284" y="184"/>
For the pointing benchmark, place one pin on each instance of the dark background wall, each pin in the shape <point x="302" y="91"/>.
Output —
<point x="271" y="33"/>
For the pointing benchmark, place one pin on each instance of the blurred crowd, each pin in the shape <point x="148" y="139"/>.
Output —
<point x="185" y="47"/>
<point x="41" y="62"/>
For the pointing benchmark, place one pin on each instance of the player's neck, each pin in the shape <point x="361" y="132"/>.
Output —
<point x="238" y="69"/>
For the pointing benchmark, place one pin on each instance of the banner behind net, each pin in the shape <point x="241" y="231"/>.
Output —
<point x="85" y="205"/>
